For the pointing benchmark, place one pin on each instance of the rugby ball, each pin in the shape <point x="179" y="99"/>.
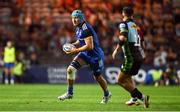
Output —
<point x="67" y="47"/>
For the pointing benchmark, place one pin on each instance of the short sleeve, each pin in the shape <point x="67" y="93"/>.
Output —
<point x="123" y="29"/>
<point x="86" y="31"/>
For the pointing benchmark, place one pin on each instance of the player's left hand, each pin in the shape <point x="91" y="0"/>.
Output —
<point x="73" y="51"/>
<point x="114" y="54"/>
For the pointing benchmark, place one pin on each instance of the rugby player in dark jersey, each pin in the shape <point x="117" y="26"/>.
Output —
<point x="130" y="40"/>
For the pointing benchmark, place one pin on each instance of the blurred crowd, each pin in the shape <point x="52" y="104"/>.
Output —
<point x="39" y="28"/>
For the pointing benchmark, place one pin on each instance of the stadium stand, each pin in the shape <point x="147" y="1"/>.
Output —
<point x="41" y="27"/>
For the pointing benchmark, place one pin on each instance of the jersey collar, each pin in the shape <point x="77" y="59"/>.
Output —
<point x="80" y="25"/>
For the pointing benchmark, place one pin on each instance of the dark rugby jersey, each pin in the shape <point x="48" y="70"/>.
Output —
<point x="132" y="47"/>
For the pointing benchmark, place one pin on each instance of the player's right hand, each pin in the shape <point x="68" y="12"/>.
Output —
<point x="72" y="51"/>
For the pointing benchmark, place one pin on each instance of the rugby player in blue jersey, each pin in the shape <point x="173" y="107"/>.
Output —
<point x="89" y="53"/>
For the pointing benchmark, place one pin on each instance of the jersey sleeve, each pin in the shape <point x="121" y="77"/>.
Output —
<point x="86" y="31"/>
<point x="123" y="29"/>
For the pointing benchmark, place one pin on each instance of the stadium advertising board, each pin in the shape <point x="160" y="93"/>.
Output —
<point x="57" y="74"/>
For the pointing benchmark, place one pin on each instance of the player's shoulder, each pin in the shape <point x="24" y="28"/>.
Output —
<point x="122" y="24"/>
<point x="85" y="26"/>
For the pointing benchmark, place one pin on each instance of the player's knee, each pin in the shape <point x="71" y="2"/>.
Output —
<point x="69" y="70"/>
<point x="71" y="73"/>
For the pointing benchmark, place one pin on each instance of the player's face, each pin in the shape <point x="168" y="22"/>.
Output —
<point x="75" y="21"/>
<point x="9" y="44"/>
<point x="123" y="15"/>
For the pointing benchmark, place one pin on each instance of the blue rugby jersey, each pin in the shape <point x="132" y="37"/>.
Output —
<point x="85" y="30"/>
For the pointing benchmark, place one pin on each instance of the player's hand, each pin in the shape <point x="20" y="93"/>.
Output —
<point x="114" y="54"/>
<point x="72" y="51"/>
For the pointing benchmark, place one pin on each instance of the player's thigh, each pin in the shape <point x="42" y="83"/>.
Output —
<point x="135" y="68"/>
<point x="77" y="62"/>
<point x="80" y="60"/>
<point x="97" y="66"/>
<point x="128" y="69"/>
<point x="123" y="77"/>
<point x="127" y="66"/>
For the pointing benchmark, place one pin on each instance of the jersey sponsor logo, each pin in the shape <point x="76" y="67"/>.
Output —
<point x="84" y="27"/>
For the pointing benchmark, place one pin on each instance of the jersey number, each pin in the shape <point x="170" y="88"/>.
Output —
<point x="138" y="42"/>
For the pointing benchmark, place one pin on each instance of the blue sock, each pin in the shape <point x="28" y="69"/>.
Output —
<point x="106" y="93"/>
<point x="70" y="90"/>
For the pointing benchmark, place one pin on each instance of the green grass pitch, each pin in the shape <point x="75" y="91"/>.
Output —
<point x="86" y="98"/>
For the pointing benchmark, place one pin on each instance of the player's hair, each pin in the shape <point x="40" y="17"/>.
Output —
<point x="128" y="11"/>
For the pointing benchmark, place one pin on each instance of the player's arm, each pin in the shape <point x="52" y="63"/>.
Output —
<point x="76" y="43"/>
<point x="89" y="44"/>
<point x="88" y="39"/>
<point x="123" y="33"/>
<point x="115" y="51"/>
<point x="122" y="38"/>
